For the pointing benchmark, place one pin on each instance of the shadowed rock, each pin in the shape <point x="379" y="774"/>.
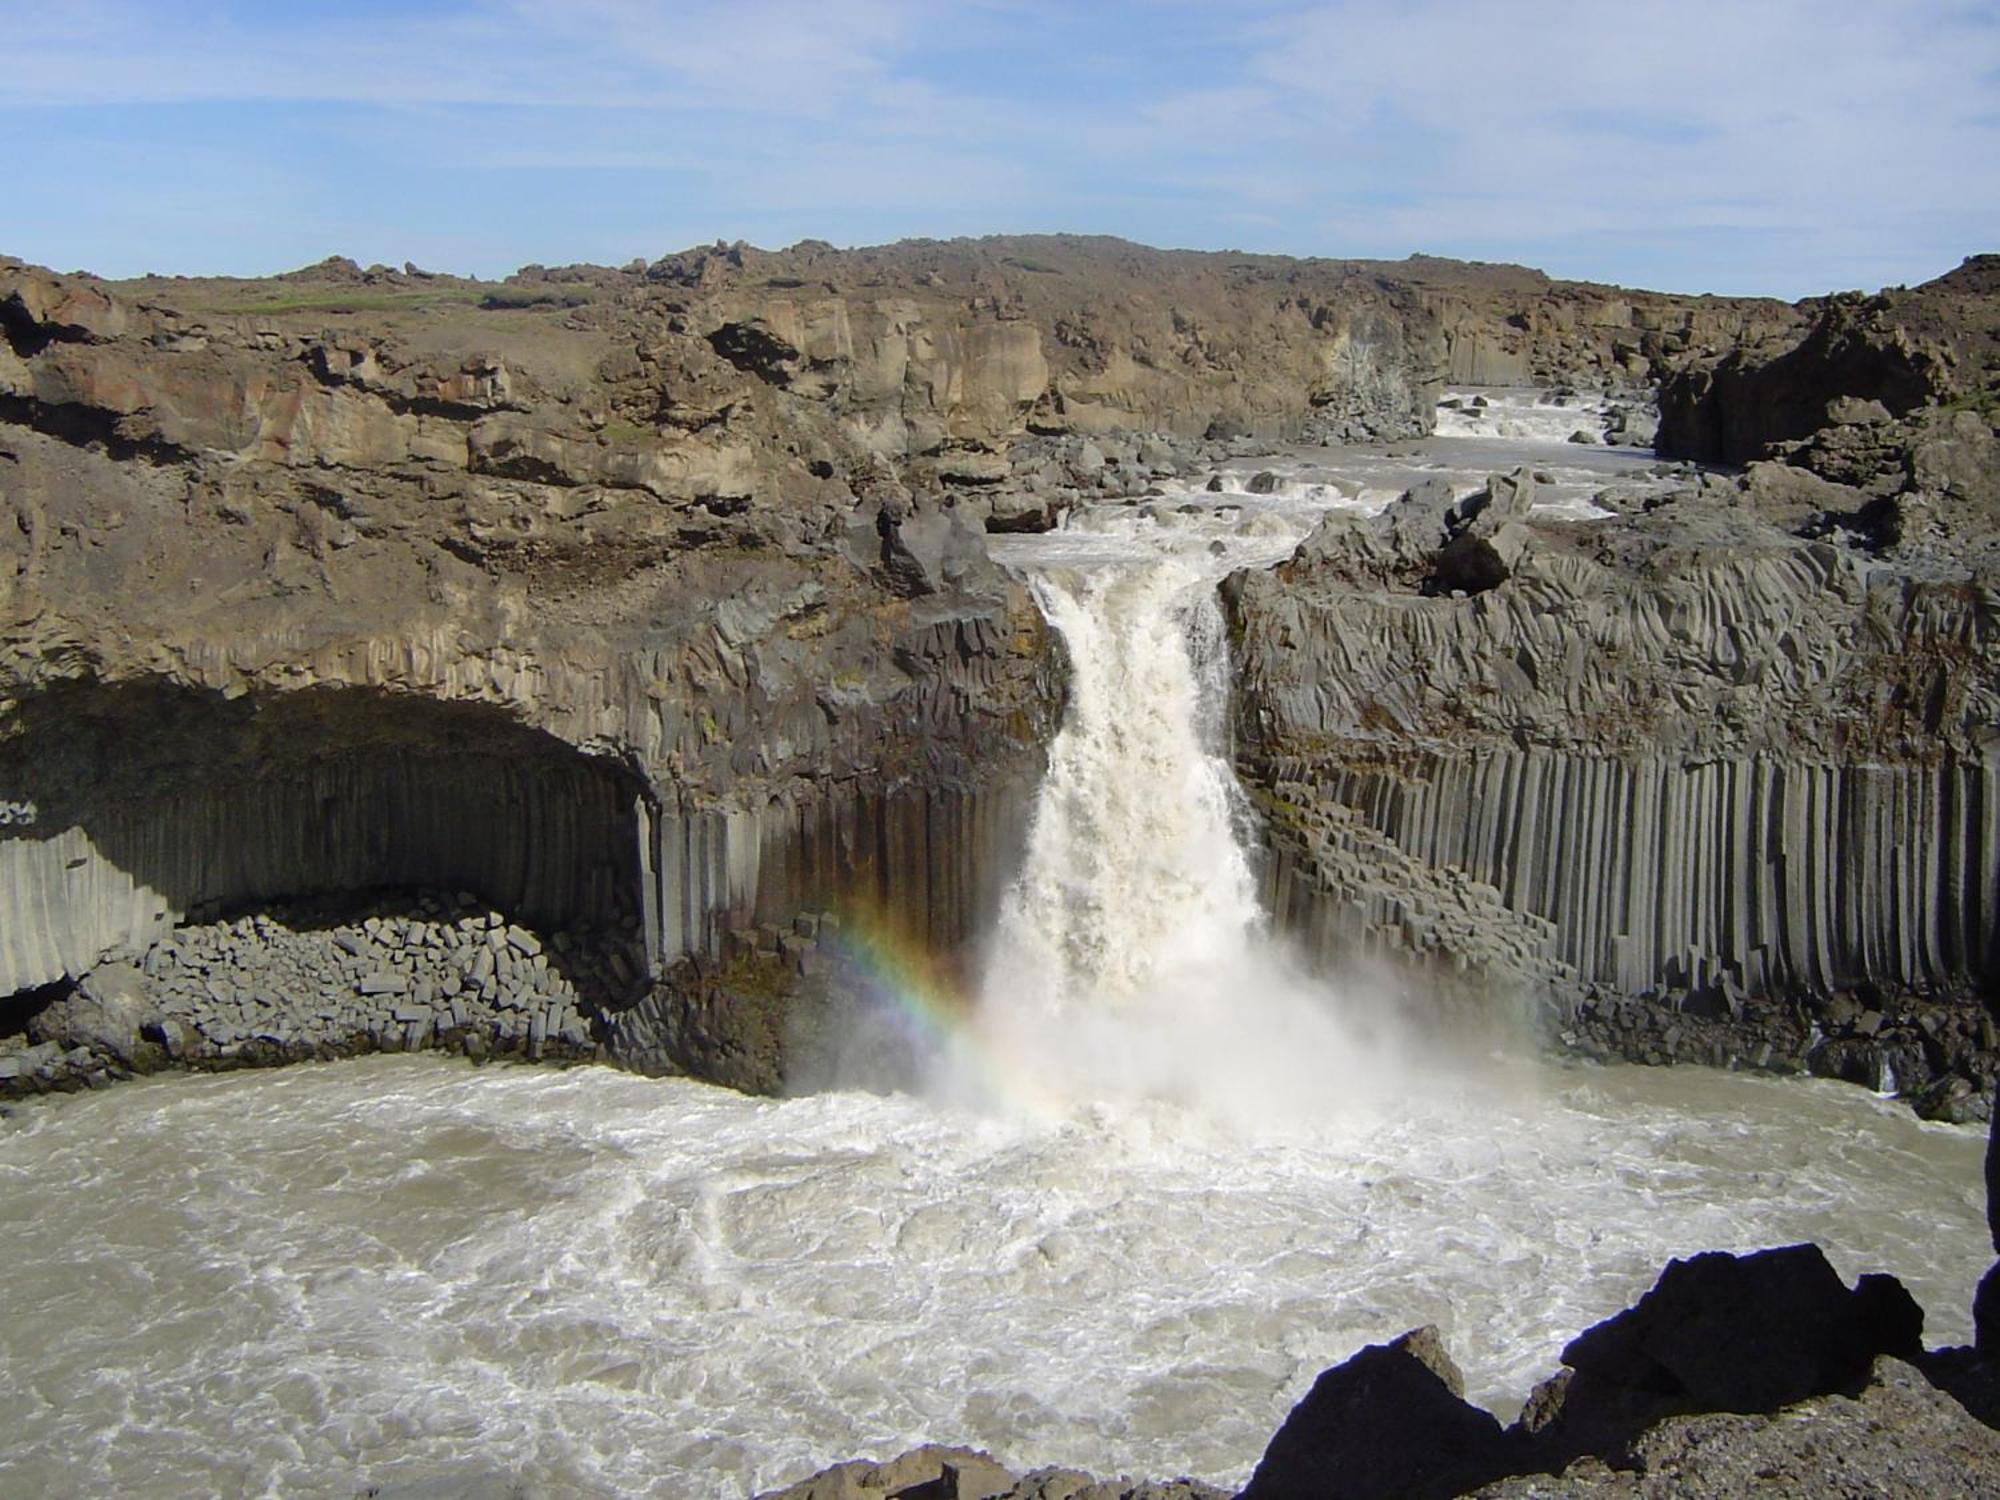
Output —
<point x="1720" y="1332"/>
<point x="1391" y="1421"/>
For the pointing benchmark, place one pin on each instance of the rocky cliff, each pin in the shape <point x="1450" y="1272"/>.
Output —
<point x="1902" y="350"/>
<point x="1721" y="771"/>
<point x="291" y="611"/>
<point x="649" y="604"/>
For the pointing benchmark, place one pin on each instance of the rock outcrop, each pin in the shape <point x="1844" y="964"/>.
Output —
<point x="1392" y="1420"/>
<point x="1845" y="358"/>
<point x="650" y="594"/>
<point x="293" y="608"/>
<point x="1720" y="773"/>
<point x="1510" y="326"/>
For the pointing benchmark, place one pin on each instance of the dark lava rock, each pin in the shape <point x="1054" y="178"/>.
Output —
<point x="1391" y="1421"/>
<point x="1721" y="1332"/>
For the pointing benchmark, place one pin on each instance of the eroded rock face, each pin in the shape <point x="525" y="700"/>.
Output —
<point x="421" y="602"/>
<point x="1849" y="360"/>
<point x="1714" y="773"/>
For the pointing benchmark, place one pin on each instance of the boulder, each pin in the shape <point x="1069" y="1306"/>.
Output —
<point x="1391" y="1421"/>
<point x="920" y="548"/>
<point x="1722" y="1332"/>
<point x="927" y="1473"/>
<point x="1853" y="411"/>
<point x="1507" y="497"/>
<point x="108" y="1013"/>
<point x="1633" y="426"/>
<point x="1014" y="511"/>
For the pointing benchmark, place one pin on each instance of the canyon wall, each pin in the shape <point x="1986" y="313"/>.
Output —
<point x="1718" y="772"/>
<point x="292" y="610"/>
<point x="654" y="600"/>
<point x="694" y="544"/>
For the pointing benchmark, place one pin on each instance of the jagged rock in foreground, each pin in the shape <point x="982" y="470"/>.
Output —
<point x="1897" y="1438"/>
<point x="933" y="1473"/>
<point x="1748" y="1334"/>
<point x="1392" y="1420"/>
<point x="1720" y="1332"/>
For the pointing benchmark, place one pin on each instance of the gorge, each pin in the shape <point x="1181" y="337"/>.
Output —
<point x="676" y="665"/>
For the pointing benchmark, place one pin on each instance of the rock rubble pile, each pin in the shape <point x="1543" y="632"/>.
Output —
<point x="443" y="971"/>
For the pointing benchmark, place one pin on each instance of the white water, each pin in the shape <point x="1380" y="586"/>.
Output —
<point x="408" y="1273"/>
<point x="1529" y="415"/>
<point x="411" y="1273"/>
<point x="1132" y="960"/>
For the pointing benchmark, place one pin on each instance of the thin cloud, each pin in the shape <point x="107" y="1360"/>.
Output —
<point x="1775" y="146"/>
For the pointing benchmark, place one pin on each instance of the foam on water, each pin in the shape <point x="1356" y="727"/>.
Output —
<point x="411" y="1273"/>
<point x="1533" y="415"/>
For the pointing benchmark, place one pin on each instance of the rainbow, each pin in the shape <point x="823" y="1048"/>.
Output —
<point x="935" y="1009"/>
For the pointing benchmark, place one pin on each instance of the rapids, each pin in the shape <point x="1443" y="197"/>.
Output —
<point x="410" y="1273"/>
<point x="1159" y="1183"/>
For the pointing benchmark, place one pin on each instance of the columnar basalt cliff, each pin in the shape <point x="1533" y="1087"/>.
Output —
<point x="291" y="612"/>
<point x="651" y="603"/>
<point x="1719" y="773"/>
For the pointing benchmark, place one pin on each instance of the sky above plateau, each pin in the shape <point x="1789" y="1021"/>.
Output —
<point x="1770" y="146"/>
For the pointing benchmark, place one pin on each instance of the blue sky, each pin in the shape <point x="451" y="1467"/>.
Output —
<point x="1775" y="146"/>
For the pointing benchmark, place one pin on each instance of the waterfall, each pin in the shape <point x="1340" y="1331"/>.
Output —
<point x="1134" y="865"/>
<point x="1131" y="957"/>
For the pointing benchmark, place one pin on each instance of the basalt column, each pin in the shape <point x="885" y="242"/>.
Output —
<point x="132" y="807"/>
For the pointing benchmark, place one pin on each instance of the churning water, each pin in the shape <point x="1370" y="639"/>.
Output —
<point x="414" y="1274"/>
<point x="1162" y="1184"/>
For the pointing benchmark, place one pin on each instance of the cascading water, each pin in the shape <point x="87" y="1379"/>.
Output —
<point x="1133" y="867"/>
<point x="1132" y="958"/>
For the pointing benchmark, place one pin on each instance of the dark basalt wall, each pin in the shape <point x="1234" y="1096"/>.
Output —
<point x="150" y="803"/>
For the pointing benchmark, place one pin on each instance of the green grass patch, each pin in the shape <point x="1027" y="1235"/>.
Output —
<point x="256" y="302"/>
<point x="621" y="433"/>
